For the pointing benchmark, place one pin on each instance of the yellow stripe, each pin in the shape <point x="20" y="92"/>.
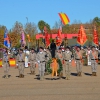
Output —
<point x="12" y="62"/>
<point x="64" y="18"/>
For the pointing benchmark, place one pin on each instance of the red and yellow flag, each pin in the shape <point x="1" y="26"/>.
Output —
<point x="82" y="38"/>
<point x="64" y="18"/>
<point x="95" y="37"/>
<point x="28" y="38"/>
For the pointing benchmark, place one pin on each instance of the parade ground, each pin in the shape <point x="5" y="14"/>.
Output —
<point x="30" y="88"/>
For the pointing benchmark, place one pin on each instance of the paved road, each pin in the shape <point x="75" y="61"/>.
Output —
<point x="29" y="88"/>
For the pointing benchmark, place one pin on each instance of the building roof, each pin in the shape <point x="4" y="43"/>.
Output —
<point x="53" y="36"/>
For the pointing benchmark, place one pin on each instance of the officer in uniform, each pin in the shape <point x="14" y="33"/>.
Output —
<point x="32" y="61"/>
<point x="67" y="57"/>
<point x="41" y="62"/>
<point x="59" y="56"/>
<point x="6" y="65"/>
<point x="20" y="63"/>
<point x="94" y="61"/>
<point x="79" y="61"/>
<point x="48" y="57"/>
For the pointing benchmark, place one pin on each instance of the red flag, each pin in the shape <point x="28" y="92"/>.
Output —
<point x="95" y="37"/>
<point x="59" y="37"/>
<point x="82" y="38"/>
<point x="47" y="37"/>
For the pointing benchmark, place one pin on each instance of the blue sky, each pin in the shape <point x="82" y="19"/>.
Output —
<point x="47" y="10"/>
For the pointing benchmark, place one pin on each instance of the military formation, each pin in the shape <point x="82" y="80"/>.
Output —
<point x="68" y="56"/>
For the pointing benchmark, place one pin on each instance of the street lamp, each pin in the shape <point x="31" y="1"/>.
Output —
<point x="27" y="33"/>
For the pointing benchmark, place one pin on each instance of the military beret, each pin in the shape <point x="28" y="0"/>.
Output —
<point x="41" y="48"/>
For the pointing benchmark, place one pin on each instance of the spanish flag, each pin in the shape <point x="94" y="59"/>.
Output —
<point x="64" y="18"/>
<point x="95" y="37"/>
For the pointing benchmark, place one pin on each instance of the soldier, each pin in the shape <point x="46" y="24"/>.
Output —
<point x="79" y="61"/>
<point x="48" y="54"/>
<point x="41" y="62"/>
<point x="48" y="57"/>
<point x="94" y="60"/>
<point x="32" y="61"/>
<point x="67" y="63"/>
<point x="59" y="56"/>
<point x="20" y="63"/>
<point x="6" y="65"/>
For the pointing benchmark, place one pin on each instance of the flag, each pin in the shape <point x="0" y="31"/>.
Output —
<point x="82" y="38"/>
<point x="28" y="38"/>
<point x="23" y="42"/>
<point x="47" y="37"/>
<point x="59" y="37"/>
<point x="6" y="39"/>
<point x="64" y="18"/>
<point x="95" y="37"/>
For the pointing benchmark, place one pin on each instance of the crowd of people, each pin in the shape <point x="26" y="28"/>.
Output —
<point x="65" y="54"/>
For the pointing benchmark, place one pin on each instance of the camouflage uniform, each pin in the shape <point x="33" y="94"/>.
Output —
<point x="6" y="65"/>
<point x="21" y="64"/>
<point x="67" y="64"/>
<point x="32" y="60"/>
<point x="93" y="58"/>
<point x="41" y="63"/>
<point x="78" y="59"/>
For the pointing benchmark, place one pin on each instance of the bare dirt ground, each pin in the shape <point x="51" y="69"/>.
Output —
<point x="30" y="88"/>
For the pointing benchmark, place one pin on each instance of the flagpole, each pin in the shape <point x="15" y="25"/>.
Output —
<point x="28" y="33"/>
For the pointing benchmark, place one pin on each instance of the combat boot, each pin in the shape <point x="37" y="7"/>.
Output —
<point x="95" y="74"/>
<point x="22" y="76"/>
<point x="80" y="74"/>
<point x="33" y="72"/>
<point x="4" y="76"/>
<point x="92" y="74"/>
<point x="41" y="78"/>
<point x="66" y="77"/>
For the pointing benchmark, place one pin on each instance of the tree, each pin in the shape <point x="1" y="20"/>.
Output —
<point x="14" y="39"/>
<point x="17" y="27"/>
<point x="57" y="24"/>
<point x="96" y="21"/>
<point x="41" y="25"/>
<point x="66" y="29"/>
<point x="31" y="28"/>
<point x="2" y="29"/>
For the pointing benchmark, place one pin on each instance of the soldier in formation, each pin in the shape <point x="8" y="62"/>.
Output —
<point x="6" y="66"/>
<point x="67" y="57"/>
<point x="94" y="61"/>
<point x="79" y="61"/>
<point x="43" y="56"/>
<point x="32" y="61"/>
<point x="21" y="63"/>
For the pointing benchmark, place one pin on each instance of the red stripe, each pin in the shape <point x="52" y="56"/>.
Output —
<point x="61" y="19"/>
<point x="67" y="17"/>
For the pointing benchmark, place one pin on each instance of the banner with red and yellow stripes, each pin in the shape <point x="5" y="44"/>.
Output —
<point x="64" y="18"/>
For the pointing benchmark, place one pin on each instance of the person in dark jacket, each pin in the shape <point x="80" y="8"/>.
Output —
<point x="53" y="48"/>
